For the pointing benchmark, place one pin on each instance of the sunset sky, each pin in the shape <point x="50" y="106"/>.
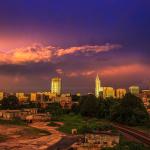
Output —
<point x="75" y="40"/>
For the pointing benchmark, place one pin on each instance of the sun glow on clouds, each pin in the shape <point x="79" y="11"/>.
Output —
<point x="87" y="48"/>
<point x="125" y="70"/>
<point x="47" y="54"/>
<point x="112" y="71"/>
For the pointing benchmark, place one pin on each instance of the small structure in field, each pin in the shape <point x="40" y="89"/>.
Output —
<point x="13" y="114"/>
<point x="96" y="141"/>
<point x="74" y="131"/>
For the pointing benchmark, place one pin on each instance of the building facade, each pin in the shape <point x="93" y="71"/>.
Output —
<point x="56" y="85"/>
<point x="108" y="92"/>
<point x="120" y="93"/>
<point x="135" y="90"/>
<point x="33" y="97"/>
<point x="21" y="97"/>
<point x="1" y="95"/>
<point x="98" y="88"/>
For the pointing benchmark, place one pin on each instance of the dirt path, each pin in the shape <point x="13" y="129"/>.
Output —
<point x="41" y="143"/>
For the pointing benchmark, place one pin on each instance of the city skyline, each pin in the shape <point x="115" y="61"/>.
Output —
<point x="56" y="87"/>
<point x="74" y="40"/>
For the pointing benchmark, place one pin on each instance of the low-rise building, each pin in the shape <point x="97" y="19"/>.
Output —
<point x="145" y="96"/>
<point x="66" y="102"/>
<point x="33" y="97"/>
<point x="120" y="93"/>
<point x="96" y="141"/>
<point x="22" y="97"/>
<point x="108" y="92"/>
<point x="21" y="114"/>
<point x="135" y="90"/>
<point x="1" y="95"/>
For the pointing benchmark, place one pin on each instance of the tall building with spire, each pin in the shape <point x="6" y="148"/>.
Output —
<point x="98" y="87"/>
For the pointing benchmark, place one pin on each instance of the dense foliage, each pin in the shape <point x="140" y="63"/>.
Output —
<point x="129" y="110"/>
<point x="10" y="102"/>
<point x="89" y="106"/>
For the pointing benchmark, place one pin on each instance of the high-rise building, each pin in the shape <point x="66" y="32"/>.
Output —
<point x="98" y="87"/>
<point x="135" y="90"/>
<point x="108" y="92"/>
<point x="120" y="93"/>
<point x="56" y="85"/>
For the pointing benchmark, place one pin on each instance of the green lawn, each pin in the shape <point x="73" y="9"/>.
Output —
<point x="13" y="122"/>
<point x="83" y="125"/>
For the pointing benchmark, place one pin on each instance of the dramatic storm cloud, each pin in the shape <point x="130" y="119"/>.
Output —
<point x="39" y="53"/>
<point x="78" y="39"/>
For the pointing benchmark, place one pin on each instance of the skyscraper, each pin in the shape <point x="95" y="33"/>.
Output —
<point x="98" y="87"/>
<point x="56" y="85"/>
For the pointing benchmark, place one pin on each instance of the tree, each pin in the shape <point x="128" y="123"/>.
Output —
<point x="89" y="106"/>
<point x="130" y="111"/>
<point x="105" y="106"/>
<point x="55" y="109"/>
<point x="10" y="102"/>
<point x="75" y="98"/>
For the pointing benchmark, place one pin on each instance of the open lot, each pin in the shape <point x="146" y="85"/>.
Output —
<point x="23" y="137"/>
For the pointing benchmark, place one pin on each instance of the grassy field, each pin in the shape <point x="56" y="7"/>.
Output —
<point x="13" y="122"/>
<point x="83" y="125"/>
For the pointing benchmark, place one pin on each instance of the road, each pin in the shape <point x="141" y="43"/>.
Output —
<point x="65" y="143"/>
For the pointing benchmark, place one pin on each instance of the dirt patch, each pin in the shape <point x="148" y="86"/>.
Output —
<point x="36" y="136"/>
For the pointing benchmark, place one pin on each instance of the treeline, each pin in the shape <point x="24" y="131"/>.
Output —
<point x="129" y="110"/>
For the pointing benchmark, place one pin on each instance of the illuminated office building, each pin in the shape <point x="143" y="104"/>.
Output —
<point x="56" y="85"/>
<point x="120" y="93"/>
<point x="98" y="88"/>
<point x="135" y="90"/>
<point x="108" y="92"/>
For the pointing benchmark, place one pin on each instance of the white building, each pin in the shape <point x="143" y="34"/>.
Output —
<point x="135" y="90"/>
<point x="98" y="87"/>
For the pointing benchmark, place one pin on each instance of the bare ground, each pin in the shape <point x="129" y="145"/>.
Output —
<point x="16" y="141"/>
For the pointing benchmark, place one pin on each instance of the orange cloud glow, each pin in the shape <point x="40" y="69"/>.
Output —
<point x="46" y="54"/>
<point x="87" y="48"/>
<point x="125" y="69"/>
